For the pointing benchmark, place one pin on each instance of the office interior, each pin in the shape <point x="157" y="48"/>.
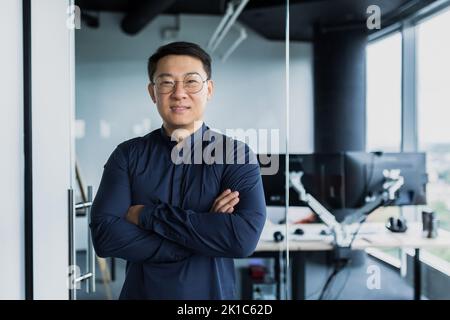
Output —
<point x="321" y="83"/>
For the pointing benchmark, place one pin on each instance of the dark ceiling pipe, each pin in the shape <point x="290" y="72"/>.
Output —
<point x="142" y="14"/>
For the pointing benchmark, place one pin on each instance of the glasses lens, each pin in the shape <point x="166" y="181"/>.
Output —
<point x="193" y="83"/>
<point x="165" y="84"/>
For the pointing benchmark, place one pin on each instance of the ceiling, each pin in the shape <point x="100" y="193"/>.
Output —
<point x="266" y="17"/>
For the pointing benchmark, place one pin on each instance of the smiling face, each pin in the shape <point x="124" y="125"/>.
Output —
<point x="180" y="109"/>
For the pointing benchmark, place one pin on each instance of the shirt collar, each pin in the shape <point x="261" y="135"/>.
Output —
<point x="196" y="137"/>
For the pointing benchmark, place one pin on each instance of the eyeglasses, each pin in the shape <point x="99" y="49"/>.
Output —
<point x="192" y="83"/>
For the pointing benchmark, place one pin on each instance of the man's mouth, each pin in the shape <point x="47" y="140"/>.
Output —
<point x="179" y="109"/>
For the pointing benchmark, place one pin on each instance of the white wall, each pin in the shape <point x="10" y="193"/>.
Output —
<point x="53" y="113"/>
<point x="111" y="82"/>
<point x="12" y="265"/>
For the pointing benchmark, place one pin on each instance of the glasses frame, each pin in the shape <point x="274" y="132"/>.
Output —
<point x="184" y="86"/>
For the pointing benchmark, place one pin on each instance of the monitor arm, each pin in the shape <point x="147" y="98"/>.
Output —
<point x="342" y="237"/>
<point x="326" y="216"/>
<point x="393" y="182"/>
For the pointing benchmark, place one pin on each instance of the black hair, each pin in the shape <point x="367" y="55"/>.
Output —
<point x="179" y="48"/>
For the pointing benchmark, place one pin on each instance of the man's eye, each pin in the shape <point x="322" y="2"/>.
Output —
<point x="166" y="83"/>
<point x="192" y="81"/>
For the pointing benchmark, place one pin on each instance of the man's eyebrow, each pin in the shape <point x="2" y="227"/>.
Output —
<point x="171" y="75"/>
<point x="193" y="72"/>
<point x="165" y="75"/>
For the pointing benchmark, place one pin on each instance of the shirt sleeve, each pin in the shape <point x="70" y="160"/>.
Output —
<point x="216" y="234"/>
<point x="112" y="234"/>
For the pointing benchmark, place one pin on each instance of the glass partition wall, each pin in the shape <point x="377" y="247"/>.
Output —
<point x="248" y="103"/>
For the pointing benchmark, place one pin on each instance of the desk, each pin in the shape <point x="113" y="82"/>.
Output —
<point x="371" y="235"/>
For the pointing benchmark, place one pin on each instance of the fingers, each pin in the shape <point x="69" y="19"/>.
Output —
<point x="221" y="196"/>
<point x="228" y="205"/>
<point x="225" y="200"/>
<point x="231" y="210"/>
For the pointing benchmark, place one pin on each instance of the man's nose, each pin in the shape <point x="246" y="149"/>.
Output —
<point x="178" y="89"/>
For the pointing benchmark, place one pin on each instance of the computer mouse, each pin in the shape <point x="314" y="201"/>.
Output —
<point x="299" y="231"/>
<point x="397" y="224"/>
<point x="278" y="236"/>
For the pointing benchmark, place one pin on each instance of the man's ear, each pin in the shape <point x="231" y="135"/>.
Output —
<point x="151" y="90"/>
<point x="210" y="89"/>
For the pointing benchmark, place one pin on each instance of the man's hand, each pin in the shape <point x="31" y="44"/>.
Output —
<point x="225" y="202"/>
<point x="133" y="213"/>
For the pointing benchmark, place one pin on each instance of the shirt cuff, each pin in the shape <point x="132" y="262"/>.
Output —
<point x="146" y="216"/>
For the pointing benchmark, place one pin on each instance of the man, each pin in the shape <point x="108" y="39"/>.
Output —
<point x="179" y="224"/>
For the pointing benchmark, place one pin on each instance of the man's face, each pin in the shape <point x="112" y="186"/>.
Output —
<point x="180" y="108"/>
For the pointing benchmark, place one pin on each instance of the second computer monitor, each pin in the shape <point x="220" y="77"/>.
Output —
<point x="364" y="176"/>
<point x="344" y="180"/>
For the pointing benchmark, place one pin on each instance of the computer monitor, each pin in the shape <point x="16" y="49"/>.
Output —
<point x="275" y="184"/>
<point x="364" y="176"/>
<point x="323" y="178"/>
<point x="341" y="181"/>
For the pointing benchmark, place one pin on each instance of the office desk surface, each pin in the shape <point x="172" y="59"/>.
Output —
<point x="370" y="235"/>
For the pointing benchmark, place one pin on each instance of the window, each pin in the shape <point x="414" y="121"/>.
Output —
<point x="433" y="52"/>
<point x="384" y="105"/>
<point x="384" y="90"/>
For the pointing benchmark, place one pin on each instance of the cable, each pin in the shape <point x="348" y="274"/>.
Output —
<point x="326" y="284"/>
<point x="345" y="282"/>
<point x="318" y="290"/>
<point x="349" y="262"/>
<point x="330" y="286"/>
<point x="337" y="269"/>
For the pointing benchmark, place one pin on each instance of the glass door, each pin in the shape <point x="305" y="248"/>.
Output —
<point x="248" y="104"/>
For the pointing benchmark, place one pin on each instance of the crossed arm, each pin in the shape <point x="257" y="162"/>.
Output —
<point x="159" y="232"/>
<point x="224" y="203"/>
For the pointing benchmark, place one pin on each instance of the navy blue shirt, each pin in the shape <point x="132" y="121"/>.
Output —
<point x="180" y="250"/>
